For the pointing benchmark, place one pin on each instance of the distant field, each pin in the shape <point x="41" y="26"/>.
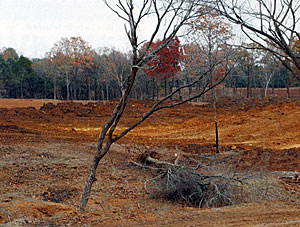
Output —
<point x="37" y="103"/>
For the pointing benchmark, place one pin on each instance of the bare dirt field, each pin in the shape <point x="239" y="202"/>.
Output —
<point x="46" y="148"/>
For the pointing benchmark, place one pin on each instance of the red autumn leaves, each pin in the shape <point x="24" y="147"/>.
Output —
<point x="166" y="63"/>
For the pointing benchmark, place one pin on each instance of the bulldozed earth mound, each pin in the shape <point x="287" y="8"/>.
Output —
<point x="46" y="147"/>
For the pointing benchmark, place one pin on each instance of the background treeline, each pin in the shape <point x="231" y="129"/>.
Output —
<point x="72" y="70"/>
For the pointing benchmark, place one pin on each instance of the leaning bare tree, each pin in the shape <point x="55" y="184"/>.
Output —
<point x="170" y="17"/>
<point x="272" y="24"/>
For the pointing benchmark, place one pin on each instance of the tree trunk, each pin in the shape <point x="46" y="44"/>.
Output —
<point x="165" y="86"/>
<point x="235" y="87"/>
<point x="255" y="87"/>
<point x="267" y="85"/>
<point x="262" y="92"/>
<point x="89" y="89"/>
<point x="177" y="86"/>
<point x="107" y="91"/>
<point x="103" y="92"/>
<point x="54" y="88"/>
<point x="107" y="130"/>
<point x="216" y="122"/>
<point x="157" y="91"/>
<point x="45" y="89"/>
<point x="273" y="81"/>
<point x="197" y="91"/>
<point x="171" y="85"/>
<point x="95" y="90"/>
<point x="248" y="85"/>
<point x="100" y="153"/>
<point x="98" y="91"/>
<point x="153" y="89"/>
<point x="190" y="88"/>
<point x="146" y="92"/>
<point x="75" y="91"/>
<point x="68" y="86"/>
<point x="22" y="89"/>
<point x="288" y="86"/>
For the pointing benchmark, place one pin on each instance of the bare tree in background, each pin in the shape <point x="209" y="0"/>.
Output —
<point x="115" y="65"/>
<point x="169" y="17"/>
<point x="270" y="66"/>
<point x="272" y="24"/>
<point x="211" y="33"/>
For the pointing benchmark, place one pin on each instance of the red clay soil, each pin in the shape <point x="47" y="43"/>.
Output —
<point x="46" y="147"/>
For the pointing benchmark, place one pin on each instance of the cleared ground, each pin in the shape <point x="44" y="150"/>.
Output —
<point x="45" y="150"/>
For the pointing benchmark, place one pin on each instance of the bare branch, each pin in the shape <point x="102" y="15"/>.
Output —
<point x="116" y="12"/>
<point x="279" y="17"/>
<point x="158" y="105"/>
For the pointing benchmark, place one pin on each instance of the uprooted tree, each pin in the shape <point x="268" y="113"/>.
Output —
<point x="170" y="16"/>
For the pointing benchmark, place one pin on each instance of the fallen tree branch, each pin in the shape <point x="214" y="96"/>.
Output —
<point x="161" y="163"/>
<point x="145" y="166"/>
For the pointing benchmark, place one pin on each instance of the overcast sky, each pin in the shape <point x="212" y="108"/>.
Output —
<point x="33" y="26"/>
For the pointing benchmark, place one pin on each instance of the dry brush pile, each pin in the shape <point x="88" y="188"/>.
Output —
<point x="206" y="180"/>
